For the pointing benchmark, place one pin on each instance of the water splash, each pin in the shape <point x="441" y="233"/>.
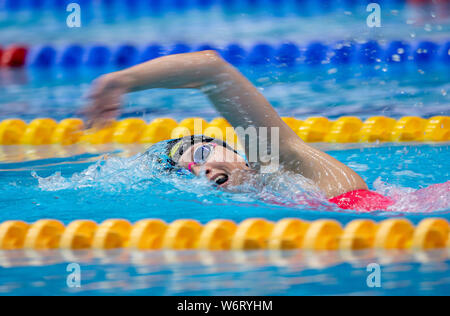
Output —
<point x="148" y="173"/>
<point x="109" y="174"/>
<point x="407" y="200"/>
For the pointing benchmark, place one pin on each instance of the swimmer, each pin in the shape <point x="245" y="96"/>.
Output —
<point x="242" y="105"/>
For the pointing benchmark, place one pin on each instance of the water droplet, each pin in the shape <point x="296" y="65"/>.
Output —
<point x="396" y="57"/>
<point x="332" y="71"/>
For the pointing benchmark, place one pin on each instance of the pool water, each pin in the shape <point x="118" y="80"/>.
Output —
<point x="123" y="272"/>
<point x="402" y="169"/>
<point x="301" y="92"/>
<point x="76" y="187"/>
<point x="289" y="20"/>
<point x="98" y="187"/>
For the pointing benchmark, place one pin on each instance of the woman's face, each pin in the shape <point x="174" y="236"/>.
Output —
<point x="222" y="166"/>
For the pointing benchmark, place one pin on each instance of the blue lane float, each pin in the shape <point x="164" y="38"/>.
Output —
<point x="180" y="48"/>
<point x="98" y="56"/>
<point x="152" y="52"/>
<point x="342" y="53"/>
<point x="397" y="52"/>
<point x="316" y="53"/>
<point x="72" y="56"/>
<point x="126" y="56"/>
<point x="426" y="52"/>
<point x="260" y="54"/>
<point x="44" y="57"/>
<point x="369" y="53"/>
<point x="287" y="53"/>
<point x="234" y="54"/>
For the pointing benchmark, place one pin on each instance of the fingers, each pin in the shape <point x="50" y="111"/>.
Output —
<point x="102" y="110"/>
<point x="104" y="118"/>
<point x="99" y="116"/>
<point x="97" y="88"/>
<point x="104" y="102"/>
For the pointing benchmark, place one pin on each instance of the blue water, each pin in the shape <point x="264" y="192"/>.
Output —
<point x="281" y="20"/>
<point x="224" y="273"/>
<point x="330" y="91"/>
<point x="74" y="182"/>
<point x="376" y="89"/>
<point x="125" y="187"/>
<point x="74" y="188"/>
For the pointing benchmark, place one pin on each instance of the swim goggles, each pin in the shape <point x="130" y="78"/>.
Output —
<point x="202" y="154"/>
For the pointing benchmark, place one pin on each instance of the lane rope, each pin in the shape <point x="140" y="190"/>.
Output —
<point x="222" y="234"/>
<point x="288" y="54"/>
<point x="347" y="129"/>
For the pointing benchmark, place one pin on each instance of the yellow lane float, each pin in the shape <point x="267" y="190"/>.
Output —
<point x="346" y="129"/>
<point x="222" y="234"/>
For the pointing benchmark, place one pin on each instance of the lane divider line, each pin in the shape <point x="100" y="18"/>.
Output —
<point x="221" y="234"/>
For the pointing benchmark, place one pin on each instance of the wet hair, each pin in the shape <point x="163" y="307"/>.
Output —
<point x="175" y="148"/>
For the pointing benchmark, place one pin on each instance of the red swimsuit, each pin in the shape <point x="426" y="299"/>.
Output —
<point x="362" y="200"/>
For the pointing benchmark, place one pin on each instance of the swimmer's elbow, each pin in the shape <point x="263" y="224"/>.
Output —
<point x="351" y="182"/>
<point x="214" y="65"/>
<point x="212" y="58"/>
<point x="211" y="54"/>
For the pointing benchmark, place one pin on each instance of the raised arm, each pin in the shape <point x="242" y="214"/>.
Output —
<point x="232" y="94"/>
<point x="238" y="100"/>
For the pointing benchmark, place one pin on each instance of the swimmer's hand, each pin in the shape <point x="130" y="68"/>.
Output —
<point x="105" y="100"/>
<point x="194" y="70"/>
